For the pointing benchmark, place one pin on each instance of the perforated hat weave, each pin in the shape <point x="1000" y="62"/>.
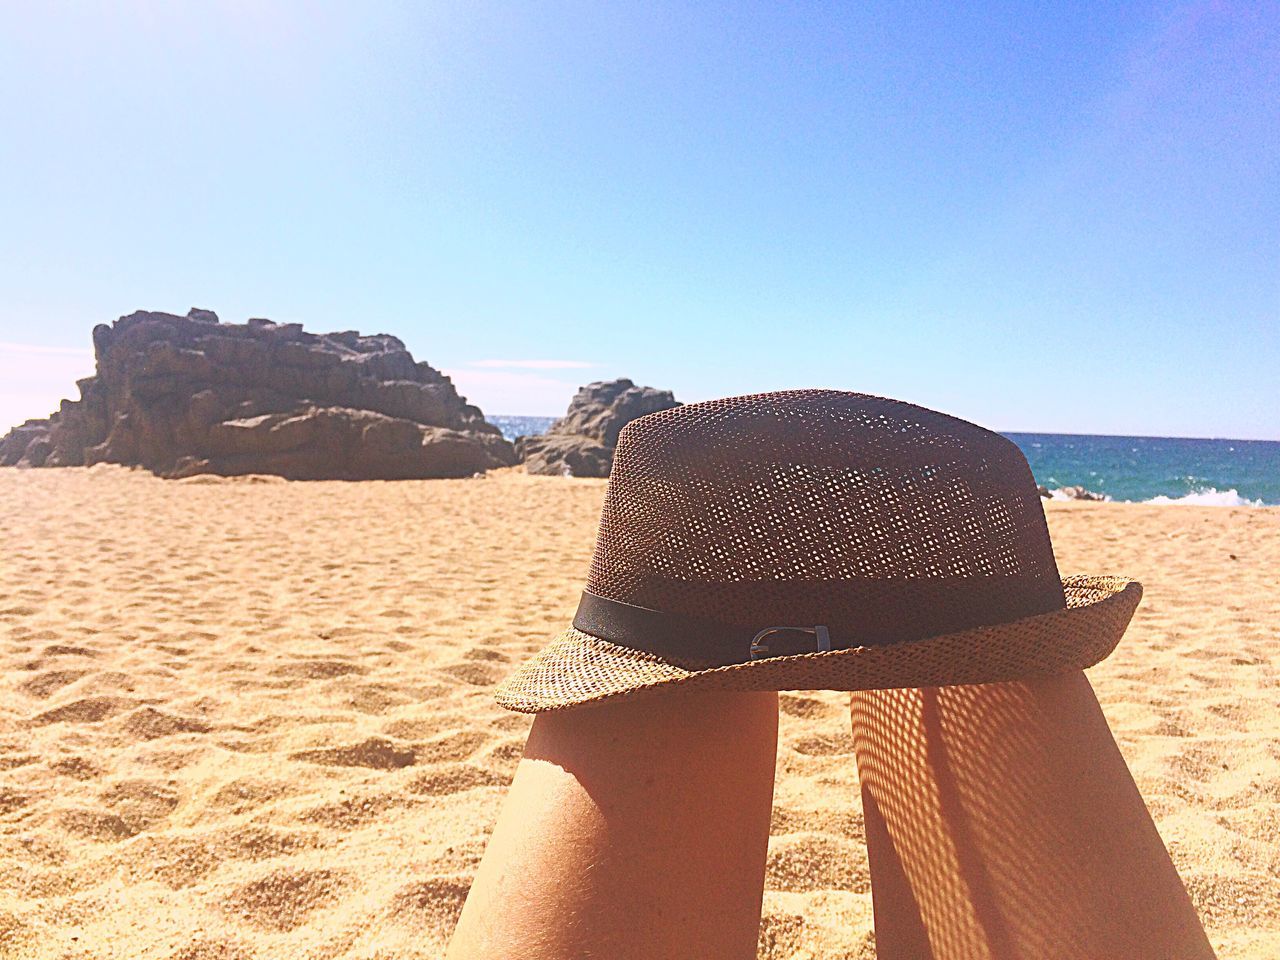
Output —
<point x="817" y="539"/>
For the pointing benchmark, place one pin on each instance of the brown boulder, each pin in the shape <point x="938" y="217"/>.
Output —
<point x="25" y="440"/>
<point x="600" y="410"/>
<point x="564" y="456"/>
<point x="581" y="443"/>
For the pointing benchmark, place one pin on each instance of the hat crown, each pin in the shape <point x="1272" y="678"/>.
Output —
<point x="877" y="518"/>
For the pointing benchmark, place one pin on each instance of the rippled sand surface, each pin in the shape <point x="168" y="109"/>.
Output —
<point x="251" y="719"/>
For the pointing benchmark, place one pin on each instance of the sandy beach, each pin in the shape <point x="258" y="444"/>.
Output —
<point x="251" y="718"/>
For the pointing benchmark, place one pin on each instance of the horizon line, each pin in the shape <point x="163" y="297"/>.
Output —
<point x="1002" y="432"/>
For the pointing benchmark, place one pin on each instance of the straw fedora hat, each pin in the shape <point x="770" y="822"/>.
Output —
<point x="816" y="539"/>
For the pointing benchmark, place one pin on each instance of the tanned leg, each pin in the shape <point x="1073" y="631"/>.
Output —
<point x="632" y="830"/>
<point x="1003" y="823"/>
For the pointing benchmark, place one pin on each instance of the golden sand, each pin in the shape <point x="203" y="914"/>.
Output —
<point x="251" y="718"/>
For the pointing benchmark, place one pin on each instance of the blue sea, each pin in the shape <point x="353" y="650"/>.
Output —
<point x="512" y="426"/>
<point x="1169" y="470"/>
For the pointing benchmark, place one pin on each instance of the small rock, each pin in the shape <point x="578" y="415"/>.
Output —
<point x="554" y="456"/>
<point x="581" y="443"/>
<point x="600" y="410"/>
<point x="1077" y="493"/>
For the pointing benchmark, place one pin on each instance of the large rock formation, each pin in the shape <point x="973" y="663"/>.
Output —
<point x="188" y="395"/>
<point x="581" y="443"/>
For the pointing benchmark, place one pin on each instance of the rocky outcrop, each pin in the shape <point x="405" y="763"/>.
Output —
<point x="564" y="456"/>
<point x="189" y="395"/>
<point x="600" y="410"/>
<point x="28" y="444"/>
<point x="581" y="443"/>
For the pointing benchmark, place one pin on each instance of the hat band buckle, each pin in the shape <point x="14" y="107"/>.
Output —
<point x="761" y="649"/>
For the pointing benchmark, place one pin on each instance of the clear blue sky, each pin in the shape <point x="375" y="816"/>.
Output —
<point x="1039" y="217"/>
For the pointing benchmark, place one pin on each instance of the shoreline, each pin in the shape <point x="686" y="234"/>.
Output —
<point x="1056" y="494"/>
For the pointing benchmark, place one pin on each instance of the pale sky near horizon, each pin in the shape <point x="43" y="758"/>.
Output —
<point x="1037" y="218"/>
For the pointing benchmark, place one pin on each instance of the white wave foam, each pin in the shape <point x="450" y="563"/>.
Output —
<point x="1208" y="497"/>
<point x="1065" y="493"/>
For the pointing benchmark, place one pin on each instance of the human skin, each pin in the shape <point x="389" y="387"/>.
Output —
<point x="631" y="830"/>
<point x="1003" y="823"/>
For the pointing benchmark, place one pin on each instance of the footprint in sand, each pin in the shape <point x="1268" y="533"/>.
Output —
<point x="378" y="698"/>
<point x="78" y="768"/>
<point x="824" y="745"/>
<point x="789" y="936"/>
<point x="411" y="729"/>
<point x="285" y="899"/>
<point x="1170" y="728"/>
<point x="781" y="936"/>
<point x="453" y="746"/>
<point x="218" y="949"/>
<point x="844" y="823"/>
<point x="346" y="815"/>
<point x="432" y="903"/>
<point x="454" y="778"/>
<point x="505" y="757"/>
<point x="473" y="672"/>
<point x="142" y="804"/>
<point x="148" y="723"/>
<point x="514" y="722"/>
<point x="804" y="707"/>
<point x="17" y="934"/>
<point x="13" y="800"/>
<point x="460" y="858"/>
<point x="50" y="681"/>
<point x="177" y="862"/>
<point x="484" y="653"/>
<point x="375" y="753"/>
<point x="95" y="825"/>
<point x="68" y="650"/>
<point x="318" y="669"/>
<point x="813" y="862"/>
<point x="248" y="794"/>
<point x="85" y="710"/>
<point x="254" y="842"/>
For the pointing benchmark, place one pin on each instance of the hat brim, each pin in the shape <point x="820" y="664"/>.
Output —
<point x="577" y="669"/>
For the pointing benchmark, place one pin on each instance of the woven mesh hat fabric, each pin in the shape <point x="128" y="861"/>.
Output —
<point x="878" y="518"/>
<point x="888" y="523"/>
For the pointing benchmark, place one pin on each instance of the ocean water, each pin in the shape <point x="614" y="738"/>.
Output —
<point x="1165" y="470"/>
<point x="1157" y="469"/>
<point x="514" y="426"/>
